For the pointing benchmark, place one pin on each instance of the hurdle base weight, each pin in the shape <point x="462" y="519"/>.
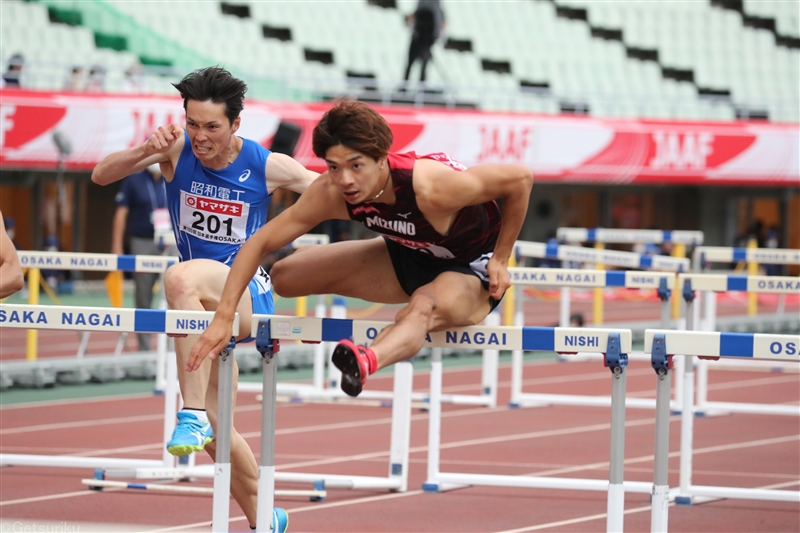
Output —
<point x="436" y="488"/>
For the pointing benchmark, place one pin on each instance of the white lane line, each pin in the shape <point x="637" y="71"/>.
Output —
<point x="49" y="497"/>
<point x="72" y="401"/>
<point x="106" y="421"/>
<point x="591" y="518"/>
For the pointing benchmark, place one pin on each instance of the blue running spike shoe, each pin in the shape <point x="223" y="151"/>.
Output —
<point x="190" y="435"/>
<point x="280" y="520"/>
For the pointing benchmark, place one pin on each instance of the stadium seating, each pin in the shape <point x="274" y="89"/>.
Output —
<point x="692" y="59"/>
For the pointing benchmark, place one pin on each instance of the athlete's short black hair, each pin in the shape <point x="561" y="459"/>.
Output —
<point x="217" y="85"/>
<point x="354" y="125"/>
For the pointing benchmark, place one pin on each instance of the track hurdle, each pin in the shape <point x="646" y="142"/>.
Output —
<point x="616" y="344"/>
<point x="704" y="256"/>
<point x="520" y="277"/>
<point x="663" y="345"/>
<point x="20" y="316"/>
<point x="155" y="264"/>
<point x="312" y="329"/>
<point x="728" y="282"/>
<point x="579" y="254"/>
<point x="629" y="236"/>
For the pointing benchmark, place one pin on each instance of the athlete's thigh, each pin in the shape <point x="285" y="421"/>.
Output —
<point x="460" y="300"/>
<point x="207" y="278"/>
<point x="359" y="269"/>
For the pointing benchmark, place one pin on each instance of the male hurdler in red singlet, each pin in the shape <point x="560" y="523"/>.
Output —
<point x="444" y="249"/>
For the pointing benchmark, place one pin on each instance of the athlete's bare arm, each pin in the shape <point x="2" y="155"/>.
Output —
<point x="442" y="192"/>
<point x="320" y="202"/>
<point x="283" y="172"/>
<point x="163" y="146"/>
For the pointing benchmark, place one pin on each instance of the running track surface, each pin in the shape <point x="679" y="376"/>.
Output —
<point x="736" y="450"/>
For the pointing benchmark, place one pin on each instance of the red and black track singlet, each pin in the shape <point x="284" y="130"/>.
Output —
<point x="473" y="233"/>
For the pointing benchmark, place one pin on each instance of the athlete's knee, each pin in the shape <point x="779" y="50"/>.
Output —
<point x="281" y="276"/>
<point x="421" y="306"/>
<point x="178" y="283"/>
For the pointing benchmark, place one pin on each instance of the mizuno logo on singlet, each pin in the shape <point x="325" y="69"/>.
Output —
<point x="398" y="226"/>
<point x="244" y="176"/>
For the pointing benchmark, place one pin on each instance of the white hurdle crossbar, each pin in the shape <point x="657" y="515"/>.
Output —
<point x="663" y="344"/>
<point x="629" y="236"/>
<point x="614" y="343"/>
<point x="712" y="283"/>
<point x="550" y="277"/>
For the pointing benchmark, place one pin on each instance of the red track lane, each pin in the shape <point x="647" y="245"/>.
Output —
<point x="734" y="450"/>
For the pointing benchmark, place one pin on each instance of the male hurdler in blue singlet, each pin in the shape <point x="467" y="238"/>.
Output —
<point x="219" y="187"/>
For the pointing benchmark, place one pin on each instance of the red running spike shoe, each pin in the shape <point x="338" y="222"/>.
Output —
<point x="356" y="362"/>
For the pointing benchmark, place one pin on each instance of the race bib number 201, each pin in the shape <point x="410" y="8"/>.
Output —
<point x="214" y="220"/>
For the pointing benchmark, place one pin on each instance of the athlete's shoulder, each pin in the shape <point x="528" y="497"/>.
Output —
<point x="442" y="157"/>
<point x="400" y="161"/>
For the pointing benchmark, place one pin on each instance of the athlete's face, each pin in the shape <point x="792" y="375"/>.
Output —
<point x="210" y="132"/>
<point x="356" y="175"/>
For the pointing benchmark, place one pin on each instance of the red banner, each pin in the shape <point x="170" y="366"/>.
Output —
<point x="557" y="148"/>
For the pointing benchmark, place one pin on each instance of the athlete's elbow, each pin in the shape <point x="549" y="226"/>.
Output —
<point x="526" y="178"/>
<point x="14" y="282"/>
<point x="98" y="177"/>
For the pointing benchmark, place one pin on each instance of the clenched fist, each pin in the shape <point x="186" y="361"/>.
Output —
<point x="163" y="139"/>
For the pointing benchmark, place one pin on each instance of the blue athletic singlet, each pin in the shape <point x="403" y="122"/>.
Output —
<point x="213" y="212"/>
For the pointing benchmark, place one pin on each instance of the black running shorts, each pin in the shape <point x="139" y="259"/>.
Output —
<point x="415" y="269"/>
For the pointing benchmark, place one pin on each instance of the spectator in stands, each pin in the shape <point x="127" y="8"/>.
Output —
<point x="11" y="279"/>
<point x="140" y="195"/>
<point x="14" y="73"/>
<point x="427" y="23"/>
<point x="97" y="80"/>
<point x="772" y="241"/>
<point x="74" y="80"/>
<point x="219" y="186"/>
<point x="134" y="82"/>
<point x="11" y="229"/>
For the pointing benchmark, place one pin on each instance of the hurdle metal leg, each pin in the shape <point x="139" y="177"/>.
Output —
<point x="432" y="483"/>
<point x="687" y="408"/>
<point x="266" y="465"/>
<point x="489" y="367"/>
<point x="660" y="498"/>
<point x="616" y="491"/>
<point x="222" y="458"/>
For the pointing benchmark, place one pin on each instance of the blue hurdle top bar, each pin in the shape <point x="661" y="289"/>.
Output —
<point x="735" y="282"/>
<point x="739" y="345"/>
<point x="474" y="337"/>
<point x="105" y="319"/>
<point x="773" y="256"/>
<point x="96" y="262"/>
<point x="569" y="277"/>
<point x="606" y="257"/>
<point x="628" y="236"/>
<point x="125" y="263"/>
